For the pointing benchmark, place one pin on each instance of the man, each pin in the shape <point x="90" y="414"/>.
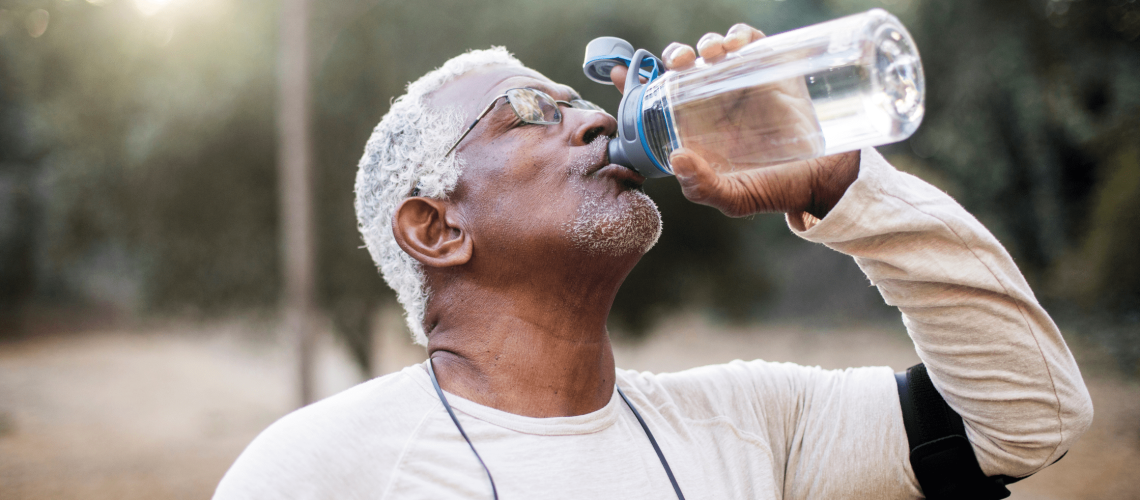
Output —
<point x="506" y="242"/>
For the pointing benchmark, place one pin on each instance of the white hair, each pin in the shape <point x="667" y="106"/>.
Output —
<point x="405" y="152"/>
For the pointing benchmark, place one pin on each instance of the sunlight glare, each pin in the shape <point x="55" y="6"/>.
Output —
<point x="150" y="7"/>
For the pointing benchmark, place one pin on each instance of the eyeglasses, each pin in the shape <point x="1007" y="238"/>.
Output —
<point x="531" y="106"/>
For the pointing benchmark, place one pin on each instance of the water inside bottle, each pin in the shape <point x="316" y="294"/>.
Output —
<point x="769" y="105"/>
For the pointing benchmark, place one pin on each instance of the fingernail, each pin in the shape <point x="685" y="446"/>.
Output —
<point x="669" y="52"/>
<point x="704" y="41"/>
<point x="740" y="33"/>
<point x="680" y="167"/>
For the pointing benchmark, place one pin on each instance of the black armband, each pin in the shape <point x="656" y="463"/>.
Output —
<point x="940" y="453"/>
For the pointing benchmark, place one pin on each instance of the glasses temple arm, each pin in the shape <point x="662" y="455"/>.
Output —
<point x="472" y="126"/>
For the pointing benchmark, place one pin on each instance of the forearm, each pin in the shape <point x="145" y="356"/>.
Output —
<point x="992" y="351"/>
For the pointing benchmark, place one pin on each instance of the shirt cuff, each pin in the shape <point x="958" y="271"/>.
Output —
<point x="849" y="216"/>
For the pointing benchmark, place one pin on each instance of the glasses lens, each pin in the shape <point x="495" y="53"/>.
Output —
<point x="587" y="105"/>
<point x="534" y="106"/>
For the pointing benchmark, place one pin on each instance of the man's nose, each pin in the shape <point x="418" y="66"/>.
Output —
<point x="591" y="125"/>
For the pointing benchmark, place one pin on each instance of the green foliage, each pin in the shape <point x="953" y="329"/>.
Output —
<point x="149" y="156"/>
<point x="137" y="153"/>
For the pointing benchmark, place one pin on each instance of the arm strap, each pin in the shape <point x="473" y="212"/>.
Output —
<point x="940" y="453"/>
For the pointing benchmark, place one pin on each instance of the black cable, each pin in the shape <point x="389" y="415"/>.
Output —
<point x="435" y="383"/>
<point x="668" y="471"/>
<point x="495" y="491"/>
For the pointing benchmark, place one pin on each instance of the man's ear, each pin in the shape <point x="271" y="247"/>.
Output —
<point x="426" y="231"/>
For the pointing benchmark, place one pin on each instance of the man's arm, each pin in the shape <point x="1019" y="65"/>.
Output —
<point x="989" y="347"/>
<point x="991" y="350"/>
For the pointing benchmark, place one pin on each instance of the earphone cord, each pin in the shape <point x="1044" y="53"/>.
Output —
<point x="435" y="383"/>
<point x="495" y="492"/>
<point x="664" y="463"/>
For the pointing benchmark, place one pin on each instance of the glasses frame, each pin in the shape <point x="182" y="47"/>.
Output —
<point x="541" y="95"/>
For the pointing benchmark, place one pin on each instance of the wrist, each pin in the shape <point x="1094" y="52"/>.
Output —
<point x="833" y="175"/>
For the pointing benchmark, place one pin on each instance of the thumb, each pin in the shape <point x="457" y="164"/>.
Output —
<point x="617" y="75"/>
<point x="699" y="182"/>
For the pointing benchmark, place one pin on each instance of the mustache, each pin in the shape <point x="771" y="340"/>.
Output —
<point x="593" y="156"/>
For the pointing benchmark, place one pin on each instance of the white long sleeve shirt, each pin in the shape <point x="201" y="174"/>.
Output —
<point x="746" y="429"/>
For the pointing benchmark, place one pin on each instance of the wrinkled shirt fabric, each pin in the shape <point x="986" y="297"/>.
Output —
<point x="744" y="429"/>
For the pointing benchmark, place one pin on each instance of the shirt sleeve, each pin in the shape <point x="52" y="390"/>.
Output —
<point x="834" y="434"/>
<point x="991" y="350"/>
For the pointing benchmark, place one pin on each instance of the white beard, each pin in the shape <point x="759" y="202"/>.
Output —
<point x="614" y="227"/>
<point x="604" y="229"/>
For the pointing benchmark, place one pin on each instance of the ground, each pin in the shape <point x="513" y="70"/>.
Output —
<point x="162" y="411"/>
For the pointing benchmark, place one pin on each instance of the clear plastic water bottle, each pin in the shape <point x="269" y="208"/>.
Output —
<point x="829" y="88"/>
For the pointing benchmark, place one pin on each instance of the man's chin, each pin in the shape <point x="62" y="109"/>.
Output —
<point x="627" y="225"/>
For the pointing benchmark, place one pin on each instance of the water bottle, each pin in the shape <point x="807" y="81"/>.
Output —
<point x="828" y="88"/>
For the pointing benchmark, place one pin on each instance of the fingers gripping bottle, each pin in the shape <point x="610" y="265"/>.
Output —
<point x="829" y="88"/>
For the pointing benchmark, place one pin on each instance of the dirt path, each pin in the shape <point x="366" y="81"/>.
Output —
<point x="162" y="413"/>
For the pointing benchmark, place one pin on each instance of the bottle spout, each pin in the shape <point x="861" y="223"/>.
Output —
<point x="631" y="154"/>
<point x="628" y="148"/>
<point x="617" y="154"/>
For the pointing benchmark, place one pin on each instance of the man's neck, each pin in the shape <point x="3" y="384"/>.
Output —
<point x="537" y="351"/>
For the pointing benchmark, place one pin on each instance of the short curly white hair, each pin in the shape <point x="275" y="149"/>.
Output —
<point x="406" y="152"/>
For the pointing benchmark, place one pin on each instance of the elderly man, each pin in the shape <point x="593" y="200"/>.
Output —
<point x="506" y="241"/>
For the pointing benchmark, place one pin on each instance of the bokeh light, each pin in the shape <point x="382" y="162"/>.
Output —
<point x="37" y="22"/>
<point x="150" y="7"/>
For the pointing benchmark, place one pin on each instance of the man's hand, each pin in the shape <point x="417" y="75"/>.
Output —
<point x="812" y="186"/>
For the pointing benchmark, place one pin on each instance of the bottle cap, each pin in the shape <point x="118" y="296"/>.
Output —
<point x="602" y="54"/>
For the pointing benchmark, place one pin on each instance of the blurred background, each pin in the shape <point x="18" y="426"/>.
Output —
<point x="142" y="275"/>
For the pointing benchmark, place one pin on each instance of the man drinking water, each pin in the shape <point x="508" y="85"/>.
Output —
<point x="506" y="241"/>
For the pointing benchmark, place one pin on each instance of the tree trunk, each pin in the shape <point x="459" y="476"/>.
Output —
<point x="294" y="176"/>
